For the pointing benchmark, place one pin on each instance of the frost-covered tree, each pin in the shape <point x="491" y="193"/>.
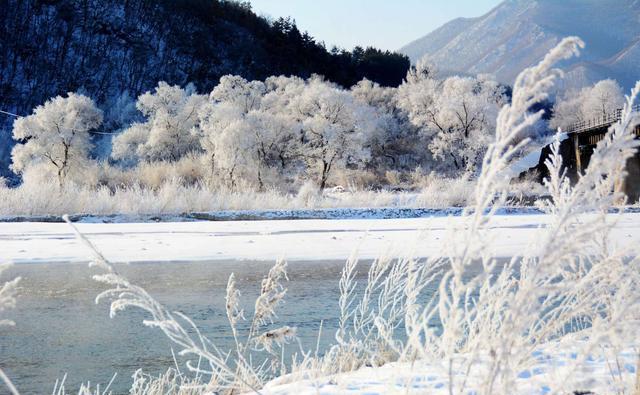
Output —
<point x="463" y="117"/>
<point x="567" y="110"/>
<point x="456" y="115"/>
<point x="335" y="128"/>
<point x="374" y="95"/>
<point x="273" y="142"/>
<point x="167" y="134"/>
<point x="246" y="95"/>
<point x="224" y="136"/>
<point x="247" y="130"/>
<point x="425" y="69"/>
<point x="604" y="98"/>
<point x="395" y="143"/>
<point x="56" y="135"/>
<point x="593" y="102"/>
<point x="417" y="94"/>
<point x="128" y="146"/>
<point x="281" y="92"/>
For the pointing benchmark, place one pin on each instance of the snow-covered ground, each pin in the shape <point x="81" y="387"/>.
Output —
<point x="309" y="240"/>
<point x="552" y="372"/>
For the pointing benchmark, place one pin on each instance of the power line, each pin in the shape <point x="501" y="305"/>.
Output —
<point x="10" y="113"/>
<point x="107" y="133"/>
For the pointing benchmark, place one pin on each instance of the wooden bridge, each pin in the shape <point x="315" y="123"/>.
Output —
<point x="585" y="135"/>
<point x="600" y="122"/>
<point x="576" y="151"/>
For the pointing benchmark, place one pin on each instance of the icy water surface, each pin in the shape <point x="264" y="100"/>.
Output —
<point x="59" y="328"/>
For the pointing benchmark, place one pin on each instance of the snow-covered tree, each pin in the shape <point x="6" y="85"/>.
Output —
<point x="395" y="137"/>
<point x="167" y="134"/>
<point x="602" y="99"/>
<point x="128" y="145"/>
<point x="273" y="142"/>
<point x="373" y="94"/>
<point x="425" y="69"/>
<point x="248" y="131"/>
<point x="248" y="146"/>
<point x="566" y="111"/>
<point x="416" y="97"/>
<point x="56" y="135"/>
<point x="463" y="117"/>
<point x="280" y="92"/>
<point x="246" y="95"/>
<point x="456" y="115"/>
<point x="224" y="136"/>
<point x="335" y="128"/>
<point x="590" y="103"/>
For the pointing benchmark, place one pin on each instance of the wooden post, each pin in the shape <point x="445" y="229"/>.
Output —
<point x="576" y="147"/>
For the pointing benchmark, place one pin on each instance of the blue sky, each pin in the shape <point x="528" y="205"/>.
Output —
<point x="386" y="24"/>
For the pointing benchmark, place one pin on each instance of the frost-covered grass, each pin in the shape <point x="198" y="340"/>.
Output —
<point x="570" y="300"/>
<point x="47" y="198"/>
<point x="7" y="301"/>
<point x="43" y="196"/>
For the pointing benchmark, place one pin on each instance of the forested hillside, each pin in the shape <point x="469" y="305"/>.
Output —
<point x="106" y="47"/>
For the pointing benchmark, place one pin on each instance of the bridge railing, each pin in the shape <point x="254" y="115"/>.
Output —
<point x="599" y="122"/>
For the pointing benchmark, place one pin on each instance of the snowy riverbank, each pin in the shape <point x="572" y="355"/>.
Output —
<point x="311" y="240"/>
<point x="286" y="214"/>
<point x="605" y="372"/>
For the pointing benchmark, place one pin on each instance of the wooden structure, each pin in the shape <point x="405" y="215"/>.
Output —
<point x="586" y="135"/>
<point x="576" y="151"/>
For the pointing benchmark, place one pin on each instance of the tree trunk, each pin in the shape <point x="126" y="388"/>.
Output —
<point x="60" y="177"/>
<point x="455" y="161"/>
<point x="260" y="183"/>
<point x="213" y="166"/>
<point x="325" y="174"/>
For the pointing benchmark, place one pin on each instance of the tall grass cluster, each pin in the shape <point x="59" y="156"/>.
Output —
<point x="47" y="198"/>
<point x="487" y="319"/>
<point x="175" y="197"/>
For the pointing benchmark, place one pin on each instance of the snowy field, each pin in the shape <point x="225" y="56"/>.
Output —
<point x="296" y="240"/>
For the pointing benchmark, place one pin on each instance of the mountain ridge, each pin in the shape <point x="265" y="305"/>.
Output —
<point x="518" y="33"/>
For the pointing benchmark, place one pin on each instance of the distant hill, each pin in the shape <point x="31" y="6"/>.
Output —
<point x="517" y="33"/>
<point x="106" y="47"/>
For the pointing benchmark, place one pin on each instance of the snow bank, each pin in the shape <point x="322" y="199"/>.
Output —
<point x="603" y="373"/>
<point x="312" y="240"/>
